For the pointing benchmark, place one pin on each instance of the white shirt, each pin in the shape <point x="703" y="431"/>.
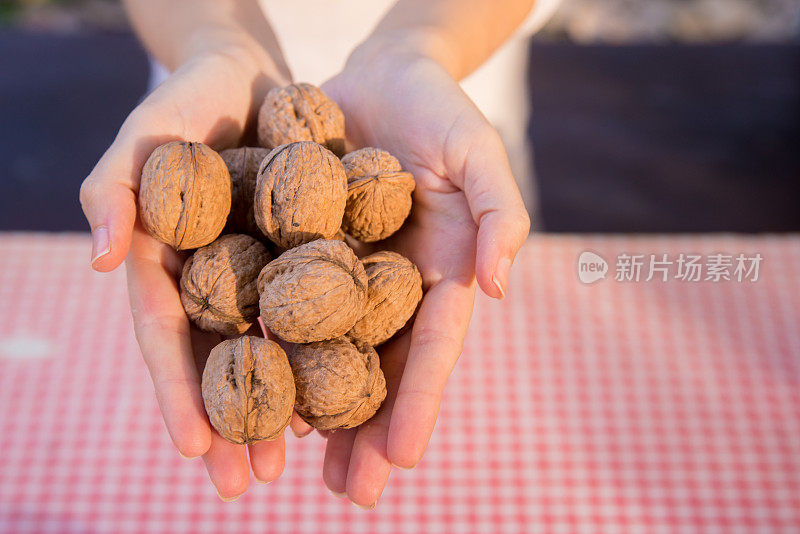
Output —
<point x="316" y="47"/>
<point x="318" y="35"/>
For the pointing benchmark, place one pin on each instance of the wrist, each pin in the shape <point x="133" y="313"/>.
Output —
<point x="404" y="46"/>
<point x="251" y="59"/>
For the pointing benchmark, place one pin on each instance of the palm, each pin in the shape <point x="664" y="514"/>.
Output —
<point x="440" y="233"/>
<point x="440" y="237"/>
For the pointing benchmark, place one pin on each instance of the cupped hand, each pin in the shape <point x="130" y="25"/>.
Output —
<point x="211" y="99"/>
<point x="467" y="223"/>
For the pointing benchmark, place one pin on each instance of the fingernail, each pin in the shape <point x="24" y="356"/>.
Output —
<point x="263" y="481"/>
<point x="500" y="278"/>
<point x="339" y="495"/>
<point x="299" y="435"/>
<point x="371" y="507"/>
<point x="228" y="499"/>
<point x="406" y="468"/>
<point x="187" y="457"/>
<point x="101" y="244"/>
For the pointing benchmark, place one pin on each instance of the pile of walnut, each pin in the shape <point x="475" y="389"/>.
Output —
<point x="285" y="211"/>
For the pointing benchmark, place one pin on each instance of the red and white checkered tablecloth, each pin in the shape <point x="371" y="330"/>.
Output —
<point x="612" y="407"/>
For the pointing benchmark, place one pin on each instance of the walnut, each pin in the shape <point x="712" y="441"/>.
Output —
<point x="184" y="195"/>
<point x="248" y="389"/>
<point x="243" y="164"/>
<point x="300" y="194"/>
<point x="300" y="112"/>
<point x="394" y="290"/>
<point x="339" y="384"/>
<point x="378" y="194"/>
<point x="219" y="284"/>
<point x="313" y="292"/>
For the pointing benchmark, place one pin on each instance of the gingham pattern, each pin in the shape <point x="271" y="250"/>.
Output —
<point x="614" y="407"/>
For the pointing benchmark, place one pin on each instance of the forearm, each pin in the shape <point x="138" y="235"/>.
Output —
<point x="174" y="31"/>
<point x="459" y="34"/>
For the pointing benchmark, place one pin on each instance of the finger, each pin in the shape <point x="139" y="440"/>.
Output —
<point x="436" y="342"/>
<point x="299" y="427"/>
<point x="267" y="459"/>
<point x="369" y="467"/>
<point x="337" y="459"/>
<point x="226" y="464"/>
<point x="110" y="208"/>
<point x="482" y="171"/>
<point x="163" y="332"/>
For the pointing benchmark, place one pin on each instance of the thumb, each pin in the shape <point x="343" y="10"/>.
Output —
<point x="110" y="208"/>
<point x="495" y="204"/>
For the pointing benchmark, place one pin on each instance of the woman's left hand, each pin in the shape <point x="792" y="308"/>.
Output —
<point x="468" y="222"/>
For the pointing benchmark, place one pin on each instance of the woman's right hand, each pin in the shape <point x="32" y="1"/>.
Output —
<point x="212" y="98"/>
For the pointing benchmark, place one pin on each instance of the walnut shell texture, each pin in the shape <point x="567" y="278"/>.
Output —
<point x="219" y="284"/>
<point x="339" y="384"/>
<point x="248" y="389"/>
<point x="300" y="112"/>
<point x="184" y="194"/>
<point x="313" y="292"/>
<point x="394" y="291"/>
<point x="243" y="164"/>
<point x="300" y="194"/>
<point x="378" y="194"/>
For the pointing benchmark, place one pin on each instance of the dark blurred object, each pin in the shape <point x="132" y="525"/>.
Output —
<point x="662" y="21"/>
<point x="667" y="138"/>
<point x="64" y="16"/>
<point x="62" y="100"/>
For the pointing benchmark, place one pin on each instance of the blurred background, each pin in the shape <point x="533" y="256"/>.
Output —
<point x="648" y="115"/>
